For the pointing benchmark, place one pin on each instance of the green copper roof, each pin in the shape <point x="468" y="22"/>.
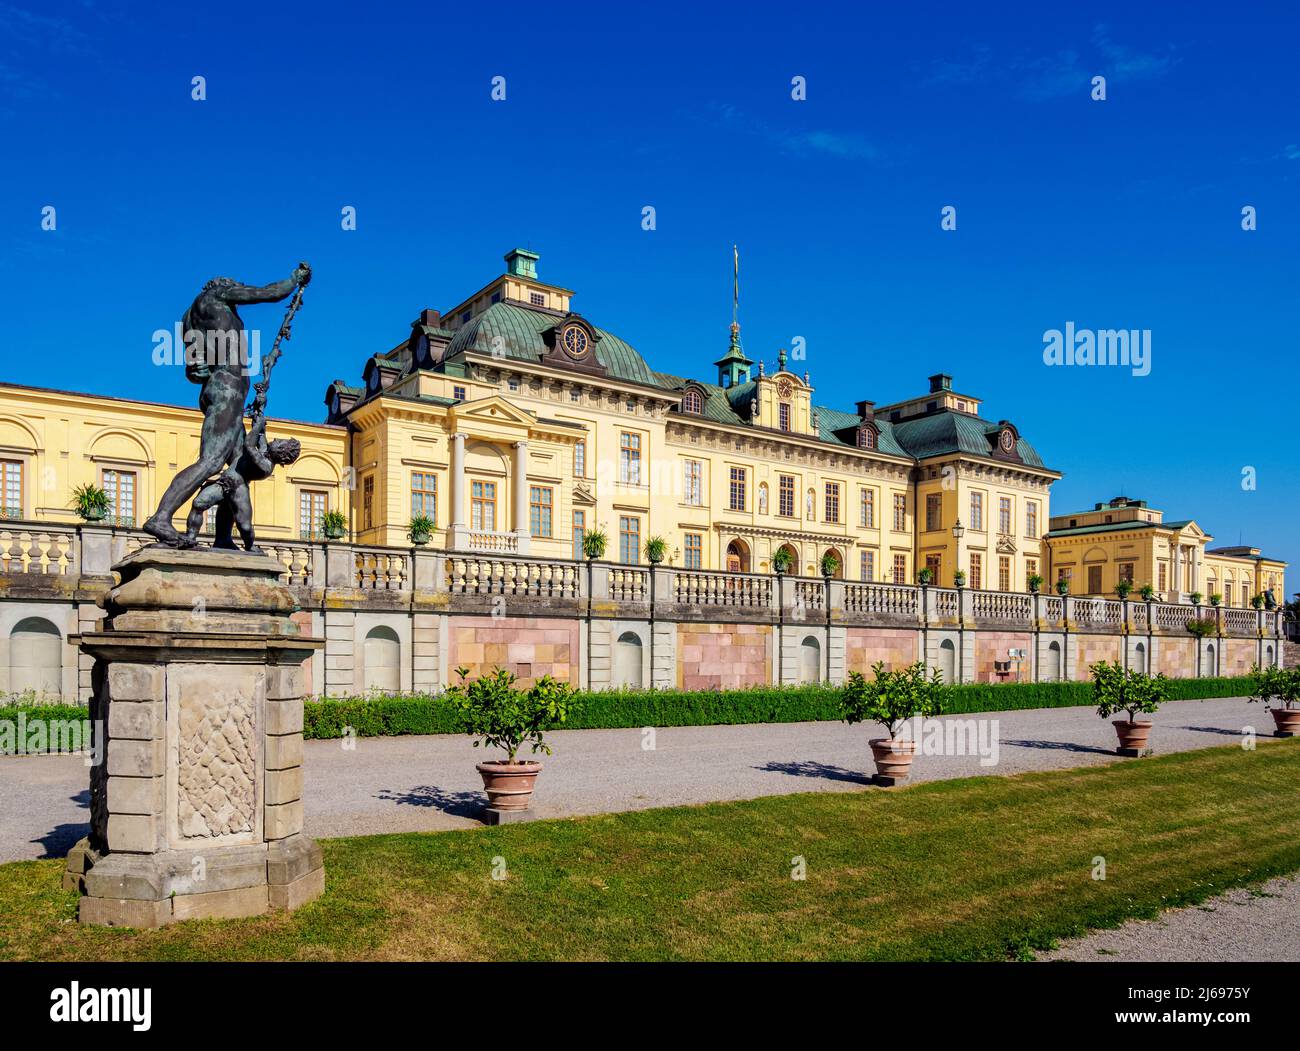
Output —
<point x="945" y="432"/>
<point x="1104" y="527"/>
<point x="517" y="331"/>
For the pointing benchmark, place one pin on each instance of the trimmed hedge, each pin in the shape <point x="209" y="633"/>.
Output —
<point x="621" y="709"/>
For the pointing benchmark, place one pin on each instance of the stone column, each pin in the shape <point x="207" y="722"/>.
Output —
<point x="519" y="469"/>
<point x="459" y="529"/>
<point x="197" y="810"/>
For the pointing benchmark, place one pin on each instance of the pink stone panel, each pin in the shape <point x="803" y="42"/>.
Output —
<point x="529" y="647"/>
<point x="722" y="656"/>
<point x="864" y="646"/>
<point x="994" y="646"/>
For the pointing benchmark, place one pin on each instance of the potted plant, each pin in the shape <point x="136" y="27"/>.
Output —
<point x="1122" y="589"/>
<point x="334" y="525"/>
<point x="1257" y="602"/>
<point x="890" y="699"/>
<point x="594" y="544"/>
<point x="959" y="578"/>
<point x="1196" y="597"/>
<point x="420" y="529"/>
<point x="1147" y="592"/>
<point x="1118" y="689"/>
<point x="90" y="502"/>
<point x="497" y="715"/>
<point x="829" y="565"/>
<point x="1035" y="582"/>
<point x="656" y="548"/>
<point x="782" y="560"/>
<point x="1063" y="586"/>
<point x="926" y="577"/>
<point x="1281" y="684"/>
<point x="1216" y="599"/>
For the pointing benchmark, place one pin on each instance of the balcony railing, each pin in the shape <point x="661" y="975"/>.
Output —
<point x="32" y="551"/>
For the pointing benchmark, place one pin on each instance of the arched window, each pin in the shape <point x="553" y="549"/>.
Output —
<point x="836" y="554"/>
<point x="36" y="657"/>
<point x="866" y="438"/>
<point x="1140" y="657"/>
<point x="627" y="660"/>
<point x="737" y="557"/>
<point x="382" y="657"/>
<point x="691" y="401"/>
<point x="810" y="661"/>
<point x="1052" y="665"/>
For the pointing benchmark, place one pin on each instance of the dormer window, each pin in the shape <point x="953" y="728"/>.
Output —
<point x="691" y="401"/>
<point x="866" y="438"/>
<point x="465" y="315"/>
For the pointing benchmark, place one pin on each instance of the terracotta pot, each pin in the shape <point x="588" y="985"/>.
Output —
<point x="509" y="786"/>
<point x="1288" y="721"/>
<point x="1133" y="737"/>
<point x="893" y="757"/>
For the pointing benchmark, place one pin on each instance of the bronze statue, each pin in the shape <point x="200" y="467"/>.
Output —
<point x="214" y="359"/>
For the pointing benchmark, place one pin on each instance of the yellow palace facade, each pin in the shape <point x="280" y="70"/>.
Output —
<point x="518" y="426"/>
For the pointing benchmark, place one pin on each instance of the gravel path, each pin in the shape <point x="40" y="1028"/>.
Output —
<point x="397" y="784"/>
<point x="1243" y="925"/>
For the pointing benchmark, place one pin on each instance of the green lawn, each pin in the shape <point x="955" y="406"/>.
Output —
<point x="983" y="869"/>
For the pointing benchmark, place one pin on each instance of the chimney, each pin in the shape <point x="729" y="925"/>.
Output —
<point x="430" y="318"/>
<point x="867" y="410"/>
<point x="940" y="381"/>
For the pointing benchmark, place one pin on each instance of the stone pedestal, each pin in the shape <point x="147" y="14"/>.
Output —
<point x="197" y="809"/>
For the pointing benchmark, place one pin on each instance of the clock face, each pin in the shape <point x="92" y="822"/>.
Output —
<point x="575" y="341"/>
<point x="1007" y="441"/>
<point x="784" y="388"/>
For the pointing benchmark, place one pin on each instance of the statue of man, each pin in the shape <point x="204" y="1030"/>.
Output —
<point x="225" y="386"/>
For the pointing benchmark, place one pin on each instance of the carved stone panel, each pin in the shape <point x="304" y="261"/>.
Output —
<point x="214" y="776"/>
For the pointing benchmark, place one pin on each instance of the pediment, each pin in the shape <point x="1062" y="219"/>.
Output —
<point x="495" y="410"/>
<point x="582" y="494"/>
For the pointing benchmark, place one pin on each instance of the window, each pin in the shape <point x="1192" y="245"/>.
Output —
<point x="977" y="510"/>
<point x="785" y="497"/>
<point x="1163" y="576"/>
<point x="832" y="501"/>
<point x="483" y="506"/>
<point x="579" y="532"/>
<point x="933" y="512"/>
<point x="784" y="410"/>
<point x="629" y="539"/>
<point x="424" y="494"/>
<point x="1065" y="573"/>
<point x="368" y="502"/>
<point x="1031" y="518"/>
<point x="867" y="508"/>
<point x="1004" y="515"/>
<point x="120" y="487"/>
<point x="1245" y="594"/>
<point x="458" y="393"/>
<point x="537" y="299"/>
<point x="866" y="438"/>
<point x="736" y="501"/>
<point x="312" y="505"/>
<point x="694" y="551"/>
<point x="1031" y="568"/>
<point x="630" y="406"/>
<point x="539" y="510"/>
<point x="575" y="395"/>
<point x="1126" y="572"/>
<point x="465" y="315"/>
<point x="629" y="458"/>
<point x="580" y="459"/>
<point x="496" y="297"/>
<point x="933" y="564"/>
<point x="868" y="566"/>
<point x="693" y="482"/>
<point x="1004" y="572"/>
<point x="11" y="477"/>
<point x="512" y="383"/>
<point x="900" y="512"/>
<point x="976" y="569"/>
<point x="691" y="401"/>
<point x="1094" y="580"/>
<point x="900" y="569"/>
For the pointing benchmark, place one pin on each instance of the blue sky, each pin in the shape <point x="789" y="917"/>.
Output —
<point x="1117" y="214"/>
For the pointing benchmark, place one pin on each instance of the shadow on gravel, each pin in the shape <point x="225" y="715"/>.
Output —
<point x="459" y="804"/>
<point x="1060" y="746"/>
<point x="1212" y="730"/>
<point x="822" y="770"/>
<point x="60" y="839"/>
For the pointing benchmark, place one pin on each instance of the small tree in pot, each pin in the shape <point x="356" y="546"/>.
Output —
<point x="499" y="716"/>
<point x="1063" y="587"/>
<point x="1216" y="599"/>
<point x="656" y="548"/>
<point x="1283" y="686"/>
<point x="334" y="525"/>
<point x="1257" y="602"/>
<point x="890" y="699"/>
<point x="926" y="577"/>
<point x="1035" y="583"/>
<point x="782" y="560"/>
<point x="829" y="565"/>
<point x="1196" y="597"/>
<point x="1147" y="592"/>
<point x="1122" y="589"/>
<point x="1118" y="689"/>
<point x="420" y="530"/>
<point x="90" y="502"/>
<point x="959" y="578"/>
<point x="594" y="544"/>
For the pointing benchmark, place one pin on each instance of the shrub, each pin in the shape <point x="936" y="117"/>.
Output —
<point x="1118" y="689"/>
<point x="499" y="716"/>
<point x="891" y="697"/>
<point x="1268" y="684"/>
<point x="1202" y="627"/>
